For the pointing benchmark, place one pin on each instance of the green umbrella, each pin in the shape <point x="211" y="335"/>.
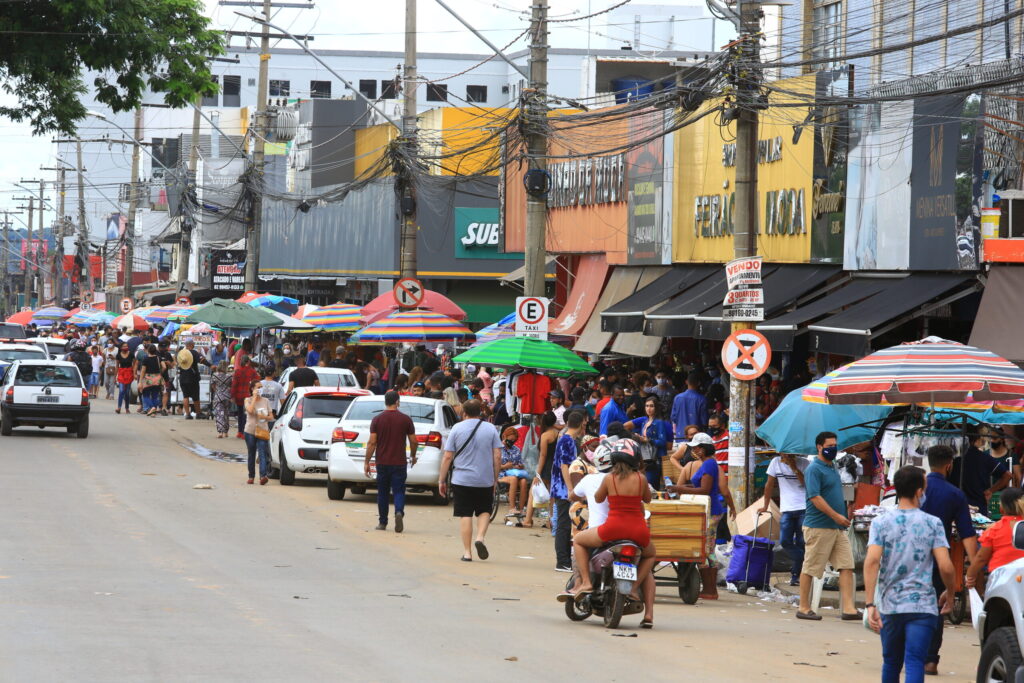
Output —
<point x="527" y="353"/>
<point x="225" y="313"/>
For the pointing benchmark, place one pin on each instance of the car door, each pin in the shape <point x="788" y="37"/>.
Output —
<point x="280" y="424"/>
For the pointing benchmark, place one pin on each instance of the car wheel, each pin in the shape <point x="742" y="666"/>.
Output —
<point x="1000" y="656"/>
<point x="83" y="428"/>
<point x="287" y="475"/>
<point x="6" y="425"/>
<point x="335" y="490"/>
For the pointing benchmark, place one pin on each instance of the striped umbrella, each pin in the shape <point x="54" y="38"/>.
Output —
<point x="505" y="328"/>
<point x="81" y="317"/>
<point x="526" y="353"/>
<point x="932" y="370"/>
<point x="282" y="304"/>
<point x="142" y="311"/>
<point x="304" y="310"/>
<point x="101" y="318"/>
<point x="411" y="326"/>
<point x="45" y="317"/>
<point x="339" y="317"/>
<point x="165" y="313"/>
<point x="129" y="321"/>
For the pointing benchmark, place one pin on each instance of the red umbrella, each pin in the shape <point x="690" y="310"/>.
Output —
<point x="129" y="322"/>
<point x="21" y="318"/>
<point x="438" y="303"/>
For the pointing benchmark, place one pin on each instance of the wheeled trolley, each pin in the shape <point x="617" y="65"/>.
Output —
<point x="679" y="533"/>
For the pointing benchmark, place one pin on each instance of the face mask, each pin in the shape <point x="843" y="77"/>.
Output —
<point x="510" y="442"/>
<point x="829" y="453"/>
<point x="661" y="380"/>
<point x="592" y="402"/>
<point x="920" y="501"/>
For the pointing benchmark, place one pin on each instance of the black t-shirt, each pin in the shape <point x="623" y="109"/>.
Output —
<point x="125" y="361"/>
<point x="165" y="356"/>
<point x="190" y="376"/>
<point x="303" y="377"/>
<point x="152" y="365"/>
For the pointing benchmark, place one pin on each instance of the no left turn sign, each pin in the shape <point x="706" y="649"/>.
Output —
<point x="408" y="292"/>
<point x="746" y="354"/>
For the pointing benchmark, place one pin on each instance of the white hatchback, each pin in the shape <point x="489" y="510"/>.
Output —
<point x="338" y="378"/>
<point x="44" y="393"/>
<point x="433" y="420"/>
<point x="300" y="437"/>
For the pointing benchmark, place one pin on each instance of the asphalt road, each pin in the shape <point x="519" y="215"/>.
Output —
<point x="114" y="568"/>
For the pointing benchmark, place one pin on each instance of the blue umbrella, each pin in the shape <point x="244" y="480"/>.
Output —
<point x="795" y="423"/>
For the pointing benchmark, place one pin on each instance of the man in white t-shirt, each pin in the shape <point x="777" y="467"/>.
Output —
<point x="788" y="471"/>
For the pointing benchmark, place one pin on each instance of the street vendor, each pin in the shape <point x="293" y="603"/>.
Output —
<point x="978" y="474"/>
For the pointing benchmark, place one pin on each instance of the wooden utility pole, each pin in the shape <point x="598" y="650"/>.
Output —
<point x="133" y="208"/>
<point x="185" y="229"/>
<point x="407" y="251"/>
<point x="535" y="113"/>
<point x="252" y="242"/>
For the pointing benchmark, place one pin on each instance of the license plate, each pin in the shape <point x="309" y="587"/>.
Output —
<point x="47" y="399"/>
<point x="625" y="571"/>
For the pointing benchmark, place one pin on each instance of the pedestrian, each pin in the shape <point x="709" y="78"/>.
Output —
<point x="217" y="354"/>
<point x="220" y="395"/>
<point x="257" y="432"/>
<point x="557" y="399"/>
<point x="110" y="369"/>
<point x="997" y="547"/>
<point x="150" y="380"/>
<point x="163" y="352"/>
<point x="241" y="381"/>
<point x="614" y="410"/>
<point x="126" y="370"/>
<point x="97" y="370"/>
<point x="302" y="376"/>
<point x="787" y="472"/>
<point x="566" y="450"/>
<point x="189" y="361"/>
<point x="825" y="525"/>
<point x="272" y="389"/>
<point x="949" y="504"/>
<point x="719" y="433"/>
<point x="689" y="407"/>
<point x="653" y="435"/>
<point x="682" y="455"/>
<point x="904" y="545"/>
<point x="546" y="441"/>
<point x="473" y="454"/>
<point x="979" y="474"/>
<point x="513" y="471"/>
<point x="391" y="432"/>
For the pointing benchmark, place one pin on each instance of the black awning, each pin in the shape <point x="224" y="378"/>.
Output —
<point x="783" y="286"/>
<point x="675" y="318"/>
<point x="849" y="333"/>
<point x="628" y="314"/>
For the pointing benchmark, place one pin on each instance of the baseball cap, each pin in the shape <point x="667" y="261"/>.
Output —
<point x="699" y="438"/>
<point x="557" y="393"/>
<point x="419" y="384"/>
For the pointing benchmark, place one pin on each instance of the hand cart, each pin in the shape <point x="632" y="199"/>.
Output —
<point x="752" y="548"/>
<point x="678" y="532"/>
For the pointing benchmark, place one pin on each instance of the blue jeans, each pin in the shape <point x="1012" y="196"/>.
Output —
<point x="253" y="444"/>
<point x="905" y="640"/>
<point x="150" y="398"/>
<point x="124" y="393"/>
<point x="390" y="480"/>
<point x="791" y="536"/>
<point x="240" y="413"/>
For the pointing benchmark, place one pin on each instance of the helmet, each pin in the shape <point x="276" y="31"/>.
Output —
<point x="612" y="449"/>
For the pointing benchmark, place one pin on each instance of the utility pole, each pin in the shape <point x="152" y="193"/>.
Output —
<point x="133" y="208"/>
<point x="6" y="285"/>
<point x="185" y="229"/>
<point x="535" y="114"/>
<point x="28" y="280"/>
<point x="42" y="239"/>
<point x="252" y="242"/>
<point x="407" y="252"/>
<point x="85" y="281"/>
<point x="748" y="100"/>
<point x="59" y="228"/>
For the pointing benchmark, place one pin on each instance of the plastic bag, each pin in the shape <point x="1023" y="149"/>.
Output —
<point x="540" y="493"/>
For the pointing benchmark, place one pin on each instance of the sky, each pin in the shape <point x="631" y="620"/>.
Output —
<point x="355" y="25"/>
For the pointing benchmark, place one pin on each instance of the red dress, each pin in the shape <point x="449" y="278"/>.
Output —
<point x="625" y="517"/>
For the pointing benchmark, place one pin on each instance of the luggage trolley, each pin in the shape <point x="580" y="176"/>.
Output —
<point x="752" y="558"/>
<point x="678" y="531"/>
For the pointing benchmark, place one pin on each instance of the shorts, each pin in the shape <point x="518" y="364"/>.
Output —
<point x="826" y="546"/>
<point x="190" y="390"/>
<point x="94" y="379"/>
<point x="521" y="474"/>
<point x="470" y="501"/>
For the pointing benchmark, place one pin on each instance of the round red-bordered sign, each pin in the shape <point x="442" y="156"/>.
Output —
<point x="746" y="354"/>
<point x="408" y="292"/>
<point x="529" y="304"/>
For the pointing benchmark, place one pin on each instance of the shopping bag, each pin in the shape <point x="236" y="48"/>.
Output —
<point x="540" y="493"/>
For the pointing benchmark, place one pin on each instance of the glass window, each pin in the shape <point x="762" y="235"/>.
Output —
<point x="232" y="91"/>
<point x="325" y="406"/>
<point x="389" y="89"/>
<point x="368" y="88"/>
<point x="476" y="93"/>
<point x="11" y="355"/>
<point x="422" y="413"/>
<point x="48" y="375"/>
<point x="336" y="378"/>
<point x="437" y="92"/>
<point x="279" y="88"/>
<point x="320" y="89"/>
<point x="827" y="33"/>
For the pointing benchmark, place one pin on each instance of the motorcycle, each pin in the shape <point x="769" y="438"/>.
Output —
<point x="613" y="573"/>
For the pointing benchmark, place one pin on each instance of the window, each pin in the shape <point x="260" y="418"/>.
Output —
<point x="476" y="93"/>
<point x="368" y="88"/>
<point x="280" y="88"/>
<point x="827" y="33"/>
<point x="320" y="89"/>
<point x="437" y="93"/>
<point x="11" y="355"/>
<point x="52" y="375"/>
<point x="212" y="100"/>
<point x="325" y="406"/>
<point x="232" y="91"/>
<point x="389" y="89"/>
<point x="422" y="413"/>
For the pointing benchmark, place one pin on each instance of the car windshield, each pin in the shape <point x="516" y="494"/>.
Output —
<point x="325" y="406"/>
<point x="12" y="331"/>
<point x="367" y="410"/>
<point x="334" y="379"/>
<point x="11" y="355"/>
<point x="43" y="375"/>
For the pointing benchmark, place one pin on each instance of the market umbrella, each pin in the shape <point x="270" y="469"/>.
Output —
<point x="172" y="312"/>
<point x="282" y="304"/>
<point x="339" y="317"/>
<point x="128" y="321"/>
<point x="438" y="303"/>
<point x="302" y="311"/>
<point x="793" y="426"/>
<point x="411" y="326"/>
<point x="290" y="323"/>
<point x="225" y="313"/>
<point x="932" y="370"/>
<point x="81" y="317"/>
<point x="101" y="318"/>
<point x="526" y="353"/>
<point x="505" y="328"/>
<point x="21" y="318"/>
<point x="46" y="317"/>
<point x="142" y="311"/>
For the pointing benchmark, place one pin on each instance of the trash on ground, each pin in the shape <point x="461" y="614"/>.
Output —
<point x="511" y="659"/>
<point x="624" y="635"/>
<point x="507" y="599"/>
<point x="205" y="487"/>
<point x="816" y="666"/>
<point x="399" y="595"/>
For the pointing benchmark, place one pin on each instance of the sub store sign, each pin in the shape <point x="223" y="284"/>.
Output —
<point x="744" y="299"/>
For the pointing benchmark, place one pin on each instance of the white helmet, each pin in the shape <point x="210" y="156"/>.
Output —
<point x="608" y="447"/>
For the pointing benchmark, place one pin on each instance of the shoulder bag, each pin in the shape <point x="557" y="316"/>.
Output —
<point x="647" y="450"/>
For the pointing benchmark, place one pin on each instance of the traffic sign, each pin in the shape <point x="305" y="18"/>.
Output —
<point x="183" y="301"/>
<point x="184" y="288"/>
<point x="746" y="354"/>
<point x="408" y="292"/>
<point x="532" y="317"/>
<point x="126" y="305"/>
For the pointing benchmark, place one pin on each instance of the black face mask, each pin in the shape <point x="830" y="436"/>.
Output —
<point x="510" y="442"/>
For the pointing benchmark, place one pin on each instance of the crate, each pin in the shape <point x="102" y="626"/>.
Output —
<point x="670" y="469"/>
<point x="678" y="527"/>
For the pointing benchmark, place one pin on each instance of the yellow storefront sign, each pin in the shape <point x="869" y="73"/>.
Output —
<point x="705" y="201"/>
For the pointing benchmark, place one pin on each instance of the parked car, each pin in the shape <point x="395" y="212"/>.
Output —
<point x="300" y="437"/>
<point x="55" y="347"/>
<point x="18" y="351"/>
<point x="433" y="420"/>
<point x="12" y="331"/>
<point x="44" y="393"/>
<point x="1001" y="622"/>
<point x="339" y="378"/>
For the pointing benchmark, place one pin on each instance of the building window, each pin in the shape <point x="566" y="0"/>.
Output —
<point x="368" y="88"/>
<point x="389" y="89"/>
<point x="280" y="88"/>
<point x="212" y="100"/>
<point x="476" y="93"/>
<point x="320" y="89"/>
<point x="232" y="91"/>
<point x="437" y="93"/>
<point x="827" y="33"/>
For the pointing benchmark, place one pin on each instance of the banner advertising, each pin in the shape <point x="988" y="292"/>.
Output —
<point x="227" y="268"/>
<point x="645" y="182"/>
<point x="477" y="234"/>
<point x="828" y="195"/>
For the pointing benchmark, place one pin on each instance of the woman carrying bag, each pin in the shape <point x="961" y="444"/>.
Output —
<point x="257" y="431"/>
<point x="126" y="368"/>
<point x="653" y="434"/>
<point x="150" y="381"/>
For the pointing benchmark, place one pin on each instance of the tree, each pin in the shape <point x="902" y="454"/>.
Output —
<point x="126" y="45"/>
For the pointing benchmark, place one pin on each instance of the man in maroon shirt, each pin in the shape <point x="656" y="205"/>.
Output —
<point x="389" y="432"/>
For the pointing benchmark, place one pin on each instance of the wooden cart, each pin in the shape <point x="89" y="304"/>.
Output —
<point x="678" y="530"/>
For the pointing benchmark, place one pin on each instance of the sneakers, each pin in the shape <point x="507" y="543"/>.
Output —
<point x="189" y="417"/>
<point x="399" y="522"/>
<point x="562" y="568"/>
<point x="381" y="527"/>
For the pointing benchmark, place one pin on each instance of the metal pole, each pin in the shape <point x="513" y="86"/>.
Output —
<point x="407" y="252"/>
<point x="85" y="281"/>
<point x="535" y="113"/>
<point x="185" y="247"/>
<point x="133" y="208"/>
<point x="5" y="289"/>
<point x="28" y="281"/>
<point x="252" y="242"/>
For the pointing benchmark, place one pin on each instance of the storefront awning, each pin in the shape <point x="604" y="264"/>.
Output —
<point x="850" y="332"/>
<point x="624" y="282"/>
<point x="586" y="289"/>
<point x="520" y="272"/>
<point x="785" y="285"/>
<point x="637" y="343"/>
<point x="628" y="314"/>
<point x="999" y="326"/>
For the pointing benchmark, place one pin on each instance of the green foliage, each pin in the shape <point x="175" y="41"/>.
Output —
<point x="127" y="44"/>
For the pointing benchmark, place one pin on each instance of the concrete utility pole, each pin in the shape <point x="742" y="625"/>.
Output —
<point x="42" y="237"/>
<point x="407" y="252"/>
<point x="745" y="234"/>
<point x="57" y="262"/>
<point x="535" y="112"/>
<point x="6" y="284"/>
<point x="85" y="279"/>
<point x="185" y="247"/>
<point x="29" y="279"/>
<point x="252" y="242"/>
<point x="133" y="208"/>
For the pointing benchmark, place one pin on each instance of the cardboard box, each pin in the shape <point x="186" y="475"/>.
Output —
<point x="745" y="524"/>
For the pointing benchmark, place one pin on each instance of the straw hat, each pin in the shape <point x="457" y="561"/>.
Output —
<point x="184" y="359"/>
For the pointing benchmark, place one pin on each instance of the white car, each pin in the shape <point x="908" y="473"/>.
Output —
<point x="300" y="437"/>
<point x="44" y="393"/>
<point x="339" y="378"/>
<point x="433" y="420"/>
<point x="10" y="352"/>
<point x="55" y="347"/>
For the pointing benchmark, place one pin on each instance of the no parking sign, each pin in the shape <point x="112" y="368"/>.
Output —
<point x="746" y="354"/>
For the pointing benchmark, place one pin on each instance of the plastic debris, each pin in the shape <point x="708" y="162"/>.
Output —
<point x="511" y="659"/>
<point x="399" y="595"/>
<point x="205" y="487"/>
<point x="624" y="635"/>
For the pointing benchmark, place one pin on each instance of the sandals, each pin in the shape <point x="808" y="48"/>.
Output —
<point x="466" y="559"/>
<point x="481" y="550"/>
<point x="565" y="596"/>
<point x="647" y="623"/>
